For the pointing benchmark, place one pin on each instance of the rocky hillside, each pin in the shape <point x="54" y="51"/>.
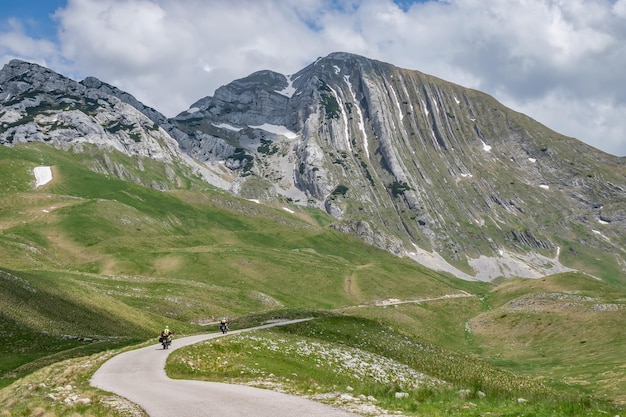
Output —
<point x="416" y="165"/>
<point x="39" y="105"/>
<point x="407" y="162"/>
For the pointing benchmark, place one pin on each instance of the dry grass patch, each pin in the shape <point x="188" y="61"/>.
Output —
<point x="565" y="336"/>
<point x="63" y="389"/>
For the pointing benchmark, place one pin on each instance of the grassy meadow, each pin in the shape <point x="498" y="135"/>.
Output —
<point x="91" y="264"/>
<point x="376" y="368"/>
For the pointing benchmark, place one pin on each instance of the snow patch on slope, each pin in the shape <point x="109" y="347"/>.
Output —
<point x="226" y="126"/>
<point x="289" y="90"/>
<point x="277" y="130"/>
<point x="43" y="175"/>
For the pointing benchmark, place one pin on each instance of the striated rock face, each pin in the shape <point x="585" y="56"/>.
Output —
<point x="404" y="160"/>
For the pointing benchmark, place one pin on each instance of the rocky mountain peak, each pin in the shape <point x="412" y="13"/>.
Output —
<point x="413" y="164"/>
<point x="17" y="77"/>
<point x="405" y="161"/>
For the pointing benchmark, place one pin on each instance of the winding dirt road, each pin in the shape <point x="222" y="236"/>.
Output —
<point x="139" y="375"/>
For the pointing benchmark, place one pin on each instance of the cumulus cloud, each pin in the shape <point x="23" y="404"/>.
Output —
<point x="560" y="62"/>
<point x="170" y="54"/>
<point x="15" y="43"/>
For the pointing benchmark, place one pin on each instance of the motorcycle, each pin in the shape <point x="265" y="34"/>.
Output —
<point x="165" y="341"/>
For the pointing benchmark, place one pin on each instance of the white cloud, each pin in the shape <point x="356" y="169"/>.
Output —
<point x="580" y="119"/>
<point x="15" y="43"/>
<point x="619" y="8"/>
<point x="560" y="62"/>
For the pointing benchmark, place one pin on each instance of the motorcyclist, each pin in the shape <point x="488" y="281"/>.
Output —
<point x="166" y="334"/>
<point x="224" y="325"/>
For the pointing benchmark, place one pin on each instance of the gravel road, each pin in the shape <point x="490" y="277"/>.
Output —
<point x="139" y="375"/>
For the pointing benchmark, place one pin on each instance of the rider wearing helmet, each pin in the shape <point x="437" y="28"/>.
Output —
<point x="224" y="325"/>
<point x="166" y="333"/>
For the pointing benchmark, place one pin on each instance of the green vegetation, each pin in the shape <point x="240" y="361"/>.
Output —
<point x="92" y="263"/>
<point x="373" y="365"/>
<point x="245" y="159"/>
<point x="267" y="147"/>
<point x="329" y="102"/>
<point x="340" y="190"/>
<point x="398" y="188"/>
<point x="567" y="327"/>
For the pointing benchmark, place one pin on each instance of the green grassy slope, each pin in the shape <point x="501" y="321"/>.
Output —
<point x="109" y="258"/>
<point x="566" y="328"/>
<point x="89" y="262"/>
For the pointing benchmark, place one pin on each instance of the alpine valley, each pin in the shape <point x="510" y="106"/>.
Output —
<point x="351" y="186"/>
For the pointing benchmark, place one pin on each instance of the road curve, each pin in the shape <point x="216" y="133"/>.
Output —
<point x="139" y="375"/>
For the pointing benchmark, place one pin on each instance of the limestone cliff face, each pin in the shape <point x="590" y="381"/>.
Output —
<point x="406" y="160"/>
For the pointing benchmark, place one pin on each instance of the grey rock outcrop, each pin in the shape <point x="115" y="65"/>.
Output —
<point x="39" y="105"/>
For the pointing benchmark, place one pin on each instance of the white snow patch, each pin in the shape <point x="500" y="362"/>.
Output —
<point x="226" y="126"/>
<point x="457" y="100"/>
<point x="599" y="233"/>
<point x="602" y="221"/>
<point x="544" y="186"/>
<point x="193" y="110"/>
<point x="533" y="160"/>
<point x="337" y="69"/>
<point x="277" y="130"/>
<point x="473" y="119"/>
<point x="289" y="90"/>
<point x="254" y="200"/>
<point x="43" y="175"/>
<point x="288" y="210"/>
<point x="486" y="147"/>
<point x="467" y="175"/>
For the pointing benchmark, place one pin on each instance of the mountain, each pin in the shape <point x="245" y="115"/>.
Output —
<point x="407" y="162"/>
<point x="39" y="105"/>
<point x="418" y="166"/>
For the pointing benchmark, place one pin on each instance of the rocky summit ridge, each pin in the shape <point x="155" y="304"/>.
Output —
<point x="405" y="161"/>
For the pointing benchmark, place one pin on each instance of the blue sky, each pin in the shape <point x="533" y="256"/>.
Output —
<point x="560" y="62"/>
<point x="35" y="15"/>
